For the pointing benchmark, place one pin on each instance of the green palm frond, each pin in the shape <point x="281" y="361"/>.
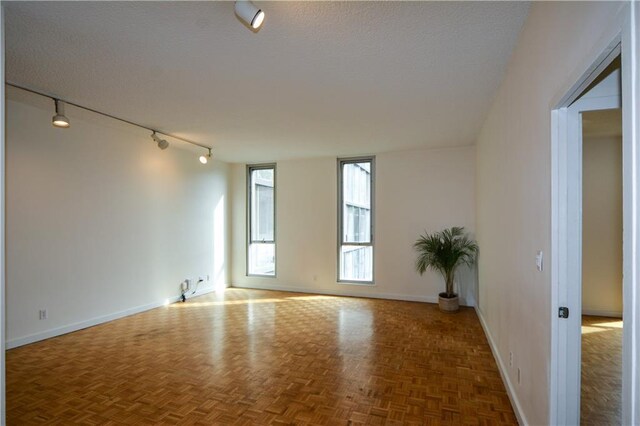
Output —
<point x="444" y="252"/>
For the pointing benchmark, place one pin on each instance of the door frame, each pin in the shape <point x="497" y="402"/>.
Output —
<point x="571" y="292"/>
<point x="619" y="37"/>
<point x="3" y="302"/>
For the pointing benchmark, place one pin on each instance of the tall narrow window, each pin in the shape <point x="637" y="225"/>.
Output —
<point x="261" y="204"/>
<point x="355" y="212"/>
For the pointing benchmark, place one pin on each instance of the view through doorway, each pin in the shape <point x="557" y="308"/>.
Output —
<point x="602" y="325"/>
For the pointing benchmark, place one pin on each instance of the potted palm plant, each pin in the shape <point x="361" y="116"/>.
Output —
<point x="444" y="252"/>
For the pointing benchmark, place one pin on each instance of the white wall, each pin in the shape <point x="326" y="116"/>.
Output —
<point x="602" y="225"/>
<point x="415" y="191"/>
<point x="100" y="221"/>
<point x="514" y="192"/>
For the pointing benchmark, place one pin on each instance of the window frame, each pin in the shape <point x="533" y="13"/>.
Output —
<point x="340" y="240"/>
<point x="249" y="237"/>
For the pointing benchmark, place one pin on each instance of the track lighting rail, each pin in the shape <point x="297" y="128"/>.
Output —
<point x="57" y="99"/>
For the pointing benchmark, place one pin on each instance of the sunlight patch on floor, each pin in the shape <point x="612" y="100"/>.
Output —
<point x="249" y="301"/>
<point x="602" y="326"/>
<point x="612" y="324"/>
<point x="225" y="303"/>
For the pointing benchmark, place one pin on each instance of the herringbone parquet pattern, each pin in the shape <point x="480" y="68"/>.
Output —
<point x="601" y="396"/>
<point x="250" y="357"/>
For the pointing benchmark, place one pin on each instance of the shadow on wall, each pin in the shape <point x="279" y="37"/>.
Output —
<point x="468" y="278"/>
<point x="219" y="238"/>
<point x="467" y="282"/>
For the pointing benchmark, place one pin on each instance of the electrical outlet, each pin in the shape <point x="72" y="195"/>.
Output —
<point x="510" y="359"/>
<point x="207" y="277"/>
<point x="43" y="314"/>
<point x="518" y="376"/>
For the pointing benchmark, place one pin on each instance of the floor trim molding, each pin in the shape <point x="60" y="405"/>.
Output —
<point x="599" y="313"/>
<point x="36" y="337"/>
<point x="515" y="402"/>
<point x="328" y="292"/>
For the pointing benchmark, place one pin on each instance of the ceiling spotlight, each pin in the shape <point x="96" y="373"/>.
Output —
<point x="162" y="143"/>
<point x="249" y="13"/>
<point x="59" y="120"/>
<point x="204" y="159"/>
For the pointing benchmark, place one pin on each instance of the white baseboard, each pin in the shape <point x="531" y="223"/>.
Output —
<point x="36" y="337"/>
<point x="599" y="313"/>
<point x="329" y="292"/>
<point x="515" y="402"/>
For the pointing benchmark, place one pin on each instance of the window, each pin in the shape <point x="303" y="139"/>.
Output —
<point x="261" y="205"/>
<point x="355" y="212"/>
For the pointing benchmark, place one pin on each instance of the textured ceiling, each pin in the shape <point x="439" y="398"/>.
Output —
<point x="319" y="79"/>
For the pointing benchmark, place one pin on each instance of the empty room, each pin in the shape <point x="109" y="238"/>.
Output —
<point x="320" y="213"/>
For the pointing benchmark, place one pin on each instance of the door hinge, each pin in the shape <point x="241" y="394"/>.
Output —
<point x="563" y="312"/>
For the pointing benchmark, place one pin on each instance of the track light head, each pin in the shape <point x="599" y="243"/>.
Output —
<point x="162" y="143"/>
<point x="249" y="13"/>
<point x="204" y="159"/>
<point x="60" y="120"/>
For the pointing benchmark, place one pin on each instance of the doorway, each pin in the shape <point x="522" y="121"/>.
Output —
<point x="602" y="295"/>
<point x="572" y="106"/>
<point x="587" y="162"/>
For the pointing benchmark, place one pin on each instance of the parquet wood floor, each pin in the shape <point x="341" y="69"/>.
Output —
<point x="601" y="394"/>
<point x="252" y="357"/>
